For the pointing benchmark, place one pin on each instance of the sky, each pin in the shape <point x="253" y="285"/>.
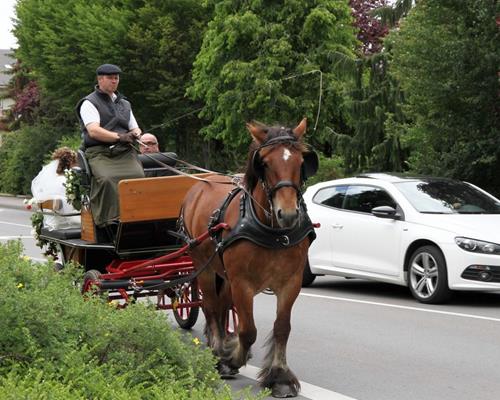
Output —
<point x="7" y="39"/>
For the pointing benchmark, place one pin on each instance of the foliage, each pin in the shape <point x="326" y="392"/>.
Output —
<point x="370" y="29"/>
<point x="55" y="344"/>
<point x="373" y="99"/>
<point x="329" y="168"/>
<point x="446" y="56"/>
<point x="170" y="34"/>
<point x="76" y="193"/>
<point x="23" y="153"/>
<point x="37" y="223"/>
<point x="391" y="14"/>
<point x="154" y="42"/>
<point x="265" y="61"/>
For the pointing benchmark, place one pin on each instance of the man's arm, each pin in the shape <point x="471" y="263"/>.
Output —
<point x="99" y="133"/>
<point x="91" y="119"/>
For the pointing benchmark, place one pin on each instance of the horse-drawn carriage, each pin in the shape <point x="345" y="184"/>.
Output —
<point x="240" y="239"/>
<point x="142" y="257"/>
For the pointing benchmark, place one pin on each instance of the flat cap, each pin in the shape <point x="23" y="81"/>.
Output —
<point x="108" y="69"/>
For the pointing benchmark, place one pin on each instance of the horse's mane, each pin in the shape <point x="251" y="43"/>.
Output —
<point x="251" y="175"/>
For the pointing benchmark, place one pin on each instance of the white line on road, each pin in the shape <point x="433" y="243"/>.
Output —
<point x="307" y="390"/>
<point x="17" y="237"/>
<point x="401" y="307"/>
<point x="12" y="223"/>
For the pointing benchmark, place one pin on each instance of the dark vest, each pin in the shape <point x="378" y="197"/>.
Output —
<point x="114" y="115"/>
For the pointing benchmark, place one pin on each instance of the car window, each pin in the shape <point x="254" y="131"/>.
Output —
<point x="364" y="198"/>
<point x="447" y="197"/>
<point x="332" y="196"/>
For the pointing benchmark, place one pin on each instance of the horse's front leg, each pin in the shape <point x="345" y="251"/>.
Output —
<point x="275" y="373"/>
<point x="237" y="347"/>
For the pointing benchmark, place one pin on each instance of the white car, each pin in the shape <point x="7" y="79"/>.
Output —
<point x="433" y="235"/>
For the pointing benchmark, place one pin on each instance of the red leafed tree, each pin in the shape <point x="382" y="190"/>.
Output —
<point x="371" y="31"/>
<point x="27" y="100"/>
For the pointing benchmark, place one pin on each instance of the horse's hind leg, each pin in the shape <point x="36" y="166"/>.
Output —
<point x="276" y="374"/>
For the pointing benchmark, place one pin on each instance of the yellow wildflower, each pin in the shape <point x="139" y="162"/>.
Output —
<point x="196" y="341"/>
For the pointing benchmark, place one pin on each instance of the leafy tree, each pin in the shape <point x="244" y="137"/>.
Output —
<point x="264" y="61"/>
<point x="446" y="56"/>
<point x="161" y="46"/>
<point x="370" y="29"/>
<point x="372" y="101"/>
<point x="391" y="14"/>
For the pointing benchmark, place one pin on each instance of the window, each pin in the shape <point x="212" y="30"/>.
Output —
<point x="331" y="196"/>
<point x="365" y="198"/>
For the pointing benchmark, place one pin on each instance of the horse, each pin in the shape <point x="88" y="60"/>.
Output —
<point x="266" y="248"/>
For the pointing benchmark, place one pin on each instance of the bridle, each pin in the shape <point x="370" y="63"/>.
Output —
<point x="286" y="138"/>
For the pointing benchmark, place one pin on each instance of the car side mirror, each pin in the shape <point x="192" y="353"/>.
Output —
<point x="386" y="212"/>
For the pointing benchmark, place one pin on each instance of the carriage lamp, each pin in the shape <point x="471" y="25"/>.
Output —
<point x="477" y="246"/>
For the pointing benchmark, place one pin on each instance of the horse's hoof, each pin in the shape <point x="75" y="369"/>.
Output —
<point x="281" y="391"/>
<point x="227" y="372"/>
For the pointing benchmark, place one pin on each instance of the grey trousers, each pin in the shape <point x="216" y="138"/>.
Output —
<point x="109" y="165"/>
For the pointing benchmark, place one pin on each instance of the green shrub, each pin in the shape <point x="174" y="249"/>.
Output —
<point x="22" y="155"/>
<point x="56" y="344"/>
<point x="329" y="168"/>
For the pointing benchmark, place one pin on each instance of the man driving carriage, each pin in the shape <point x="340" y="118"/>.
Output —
<point x="108" y="129"/>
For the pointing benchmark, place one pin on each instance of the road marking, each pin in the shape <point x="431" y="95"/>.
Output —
<point x="12" y="223"/>
<point x="402" y="307"/>
<point x="307" y="390"/>
<point x="17" y="237"/>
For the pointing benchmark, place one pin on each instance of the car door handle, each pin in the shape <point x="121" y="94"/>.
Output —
<point x="337" y="226"/>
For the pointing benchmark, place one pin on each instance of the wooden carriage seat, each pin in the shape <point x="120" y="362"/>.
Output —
<point x="151" y="199"/>
<point x="149" y="208"/>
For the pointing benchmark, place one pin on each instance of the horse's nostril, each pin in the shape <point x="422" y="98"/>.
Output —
<point x="279" y="214"/>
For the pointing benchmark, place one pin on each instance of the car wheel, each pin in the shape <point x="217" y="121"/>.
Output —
<point x="308" y="277"/>
<point x="427" y="275"/>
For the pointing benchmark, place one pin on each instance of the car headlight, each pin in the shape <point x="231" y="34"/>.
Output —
<point x="477" y="246"/>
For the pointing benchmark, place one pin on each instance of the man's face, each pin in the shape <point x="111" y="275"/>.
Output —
<point x="108" y="83"/>
<point x="151" y="144"/>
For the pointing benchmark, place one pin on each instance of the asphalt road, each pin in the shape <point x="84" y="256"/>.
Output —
<point x="365" y="340"/>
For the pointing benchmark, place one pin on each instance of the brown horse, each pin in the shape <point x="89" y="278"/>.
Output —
<point x="266" y="247"/>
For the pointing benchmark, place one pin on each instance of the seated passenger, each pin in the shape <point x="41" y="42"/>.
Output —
<point x="108" y="128"/>
<point x="149" y="145"/>
<point x="49" y="185"/>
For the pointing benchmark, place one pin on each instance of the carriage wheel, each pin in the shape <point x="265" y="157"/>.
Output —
<point x="90" y="276"/>
<point x="186" y="317"/>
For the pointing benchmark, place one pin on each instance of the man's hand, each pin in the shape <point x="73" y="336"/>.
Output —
<point x="127" y="137"/>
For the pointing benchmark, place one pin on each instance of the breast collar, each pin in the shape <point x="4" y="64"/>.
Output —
<point x="250" y="228"/>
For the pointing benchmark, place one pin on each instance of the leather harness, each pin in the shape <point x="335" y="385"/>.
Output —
<point x="250" y="228"/>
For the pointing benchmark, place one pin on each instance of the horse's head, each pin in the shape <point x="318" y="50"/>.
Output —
<point x="276" y="158"/>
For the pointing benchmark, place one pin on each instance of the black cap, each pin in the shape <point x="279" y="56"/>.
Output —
<point x="108" y="69"/>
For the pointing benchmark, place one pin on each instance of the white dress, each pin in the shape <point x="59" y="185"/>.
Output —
<point x="48" y="185"/>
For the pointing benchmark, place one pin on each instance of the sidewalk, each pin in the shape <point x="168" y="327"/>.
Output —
<point x="9" y="201"/>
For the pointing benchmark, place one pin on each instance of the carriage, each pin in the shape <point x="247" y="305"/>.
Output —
<point x="144" y="258"/>
<point x="239" y="240"/>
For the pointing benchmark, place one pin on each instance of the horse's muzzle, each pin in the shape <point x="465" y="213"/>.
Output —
<point x="287" y="219"/>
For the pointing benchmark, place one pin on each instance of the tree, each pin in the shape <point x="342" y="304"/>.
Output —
<point x="446" y="56"/>
<point x="371" y="30"/>
<point x="372" y="100"/>
<point x="264" y="61"/>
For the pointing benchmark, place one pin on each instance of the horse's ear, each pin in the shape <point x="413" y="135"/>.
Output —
<point x="257" y="132"/>
<point x="301" y="128"/>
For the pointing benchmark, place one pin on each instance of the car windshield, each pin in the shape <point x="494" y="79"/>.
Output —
<point x="447" y="197"/>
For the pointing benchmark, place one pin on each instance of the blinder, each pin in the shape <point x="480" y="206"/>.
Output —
<point x="310" y="165"/>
